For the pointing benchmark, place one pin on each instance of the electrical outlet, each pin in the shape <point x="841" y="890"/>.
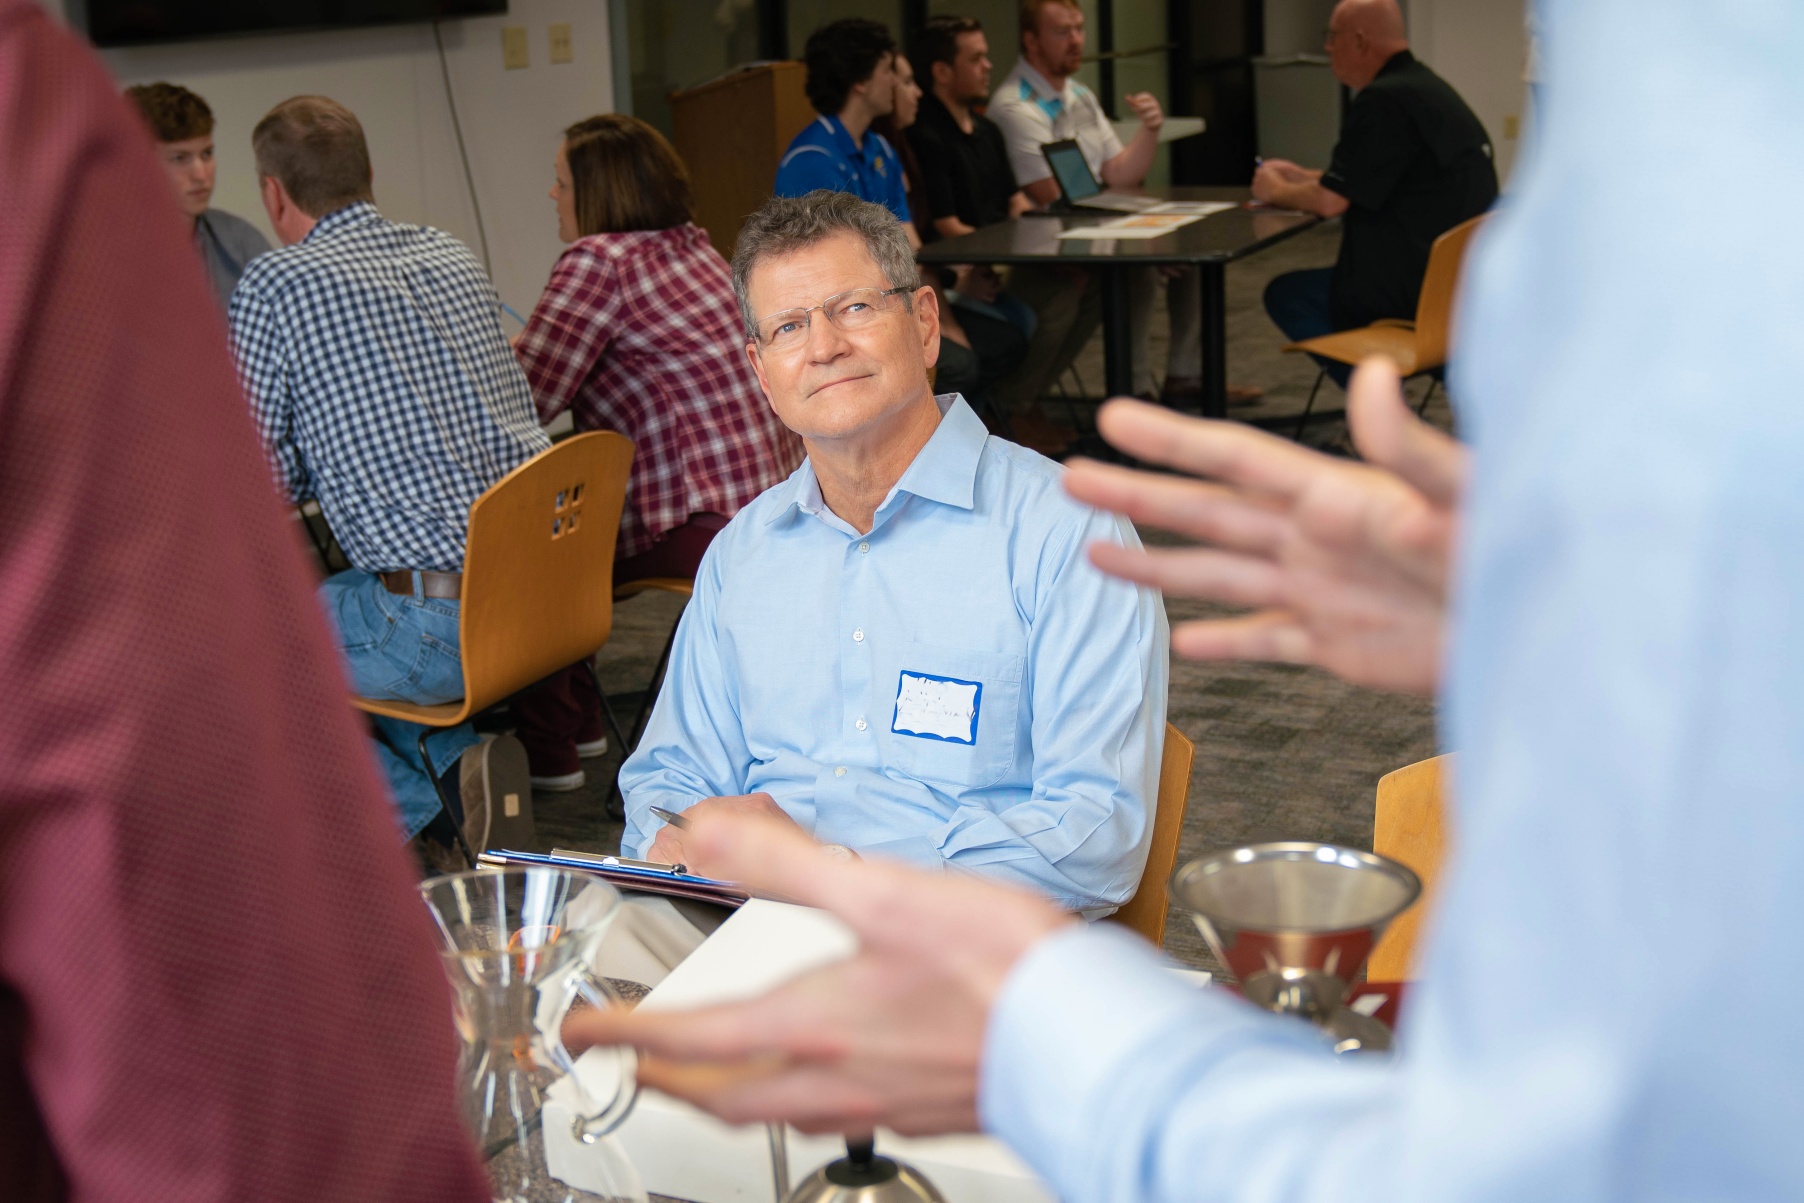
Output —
<point x="561" y="50"/>
<point x="514" y="54"/>
<point x="1511" y="126"/>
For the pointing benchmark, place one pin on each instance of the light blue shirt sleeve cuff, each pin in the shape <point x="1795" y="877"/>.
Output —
<point x="1089" y="1015"/>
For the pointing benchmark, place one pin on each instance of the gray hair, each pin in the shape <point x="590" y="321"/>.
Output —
<point x="791" y="223"/>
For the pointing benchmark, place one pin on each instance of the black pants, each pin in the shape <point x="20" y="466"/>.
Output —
<point x="1298" y="305"/>
<point x="997" y="348"/>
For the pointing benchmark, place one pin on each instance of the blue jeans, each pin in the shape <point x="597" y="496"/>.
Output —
<point x="1007" y="307"/>
<point x="401" y="649"/>
<point x="1298" y="305"/>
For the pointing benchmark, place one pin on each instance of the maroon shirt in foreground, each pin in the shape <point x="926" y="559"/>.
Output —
<point x="215" y="980"/>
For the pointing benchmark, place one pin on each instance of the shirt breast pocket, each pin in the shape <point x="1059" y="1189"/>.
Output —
<point x="953" y="714"/>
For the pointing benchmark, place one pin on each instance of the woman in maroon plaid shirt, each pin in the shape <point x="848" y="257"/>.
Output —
<point x="639" y="332"/>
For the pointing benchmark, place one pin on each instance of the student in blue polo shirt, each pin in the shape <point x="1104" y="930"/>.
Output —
<point x="851" y="82"/>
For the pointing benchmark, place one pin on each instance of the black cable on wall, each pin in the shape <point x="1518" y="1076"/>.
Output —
<point x="463" y="153"/>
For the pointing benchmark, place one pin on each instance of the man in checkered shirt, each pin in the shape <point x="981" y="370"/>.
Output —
<point x="384" y="390"/>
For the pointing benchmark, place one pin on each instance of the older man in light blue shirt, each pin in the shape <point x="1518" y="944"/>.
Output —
<point x="1607" y="1005"/>
<point x="904" y="648"/>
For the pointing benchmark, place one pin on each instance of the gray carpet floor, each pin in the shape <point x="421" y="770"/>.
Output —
<point x="1282" y="752"/>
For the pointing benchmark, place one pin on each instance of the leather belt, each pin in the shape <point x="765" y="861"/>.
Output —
<point x="443" y="585"/>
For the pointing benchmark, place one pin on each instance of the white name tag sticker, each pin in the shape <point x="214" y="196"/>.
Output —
<point x="930" y="707"/>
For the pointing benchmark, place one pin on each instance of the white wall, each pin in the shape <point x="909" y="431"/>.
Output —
<point x="1480" y="48"/>
<point x="390" y="78"/>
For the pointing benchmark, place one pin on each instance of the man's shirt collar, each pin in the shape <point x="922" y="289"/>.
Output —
<point x="944" y="470"/>
<point x="353" y="214"/>
<point x="1039" y="89"/>
<point x="842" y="138"/>
<point x="1397" y="62"/>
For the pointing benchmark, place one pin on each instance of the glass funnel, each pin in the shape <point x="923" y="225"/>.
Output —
<point x="519" y="945"/>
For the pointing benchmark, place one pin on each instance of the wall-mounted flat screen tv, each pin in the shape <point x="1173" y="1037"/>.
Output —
<point x="136" y="22"/>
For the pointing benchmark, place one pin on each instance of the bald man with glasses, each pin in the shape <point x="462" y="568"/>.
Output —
<point x="903" y="649"/>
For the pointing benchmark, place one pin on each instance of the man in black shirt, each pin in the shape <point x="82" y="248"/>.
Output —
<point x="1413" y="161"/>
<point x="968" y="183"/>
<point x="964" y="160"/>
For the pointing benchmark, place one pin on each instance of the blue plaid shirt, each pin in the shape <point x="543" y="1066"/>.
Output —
<point x="382" y="384"/>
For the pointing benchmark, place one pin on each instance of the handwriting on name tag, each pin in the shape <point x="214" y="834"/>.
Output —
<point x="933" y="707"/>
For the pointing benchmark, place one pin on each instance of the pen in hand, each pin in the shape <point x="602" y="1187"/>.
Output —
<point x="671" y="817"/>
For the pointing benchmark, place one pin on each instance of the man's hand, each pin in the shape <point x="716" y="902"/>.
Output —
<point x="1281" y="183"/>
<point x="672" y="845"/>
<point x="1344" y="564"/>
<point x="892" y="1036"/>
<point x="1274" y="175"/>
<point x="1146" y="108"/>
<point x="1268" y="178"/>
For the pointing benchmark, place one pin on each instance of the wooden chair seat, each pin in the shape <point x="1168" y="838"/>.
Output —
<point x="681" y="585"/>
<point x="1395" y="340"/>
<point x="1416" y="347"/>
<point x="1145" y="911"/>
<point x="445" y="714"/>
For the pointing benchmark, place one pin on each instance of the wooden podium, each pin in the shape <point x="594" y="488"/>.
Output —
<point x="731" y="133"/>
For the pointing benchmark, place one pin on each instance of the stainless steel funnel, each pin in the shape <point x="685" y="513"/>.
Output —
<point x="1295" y="921"/>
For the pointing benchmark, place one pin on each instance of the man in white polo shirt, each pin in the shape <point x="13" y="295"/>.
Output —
<point x="1039" y="102"/>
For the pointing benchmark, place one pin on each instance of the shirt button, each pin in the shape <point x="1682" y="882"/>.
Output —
<point x="861" y="724"/>
<point x="864" y="549"/>
<point x="858" y="635"/>
<point x="840" y="771"/>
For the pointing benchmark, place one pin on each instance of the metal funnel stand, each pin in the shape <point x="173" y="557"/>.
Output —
<point x="1295" y="922"/>
<point x="861" y="1176"/>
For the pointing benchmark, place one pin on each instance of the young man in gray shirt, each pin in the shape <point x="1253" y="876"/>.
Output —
<point x="182" y="124"/>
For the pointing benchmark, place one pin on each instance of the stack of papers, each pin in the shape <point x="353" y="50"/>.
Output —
<point x="1152" y="223"/>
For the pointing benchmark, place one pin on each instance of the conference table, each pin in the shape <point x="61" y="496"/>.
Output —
<point x="1209" y="245"/>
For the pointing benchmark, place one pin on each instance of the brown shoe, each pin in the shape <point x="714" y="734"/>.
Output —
<point x="495" y="783"/>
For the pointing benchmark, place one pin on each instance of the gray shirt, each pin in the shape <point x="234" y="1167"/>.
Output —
<point x="226" y="244"/>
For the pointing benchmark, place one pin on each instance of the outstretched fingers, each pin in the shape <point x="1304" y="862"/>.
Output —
<point x="1203" y="511"/>
<point x="775" y="858"/>
<point x="1224" y="451"/>
<point x="759" y="1030"/>
<point x="1390" y="436"/>
<point x="1222" y="576"/>
<point x="1273" y="635"/>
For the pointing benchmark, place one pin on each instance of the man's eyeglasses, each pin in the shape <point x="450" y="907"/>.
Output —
<point x="849" y="311"/>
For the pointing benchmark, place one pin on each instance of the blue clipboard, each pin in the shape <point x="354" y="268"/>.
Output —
<point x="652" y="877"/>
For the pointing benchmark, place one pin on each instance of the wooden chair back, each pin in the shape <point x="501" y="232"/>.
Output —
<point x="1434" y="304"/>
<point x="1145" y="911"/>
<point x="538" y="590"/>
<point x="539" y="566"/>
<point x="1410" y="825"/>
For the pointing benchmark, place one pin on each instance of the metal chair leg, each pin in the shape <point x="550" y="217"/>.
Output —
<point x="651" y="691"/>
<point x="1422" y="409"/>
<point x="616" y="803"/>
<point x="453" y="804"/>
<point x="1297" y="435"/>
